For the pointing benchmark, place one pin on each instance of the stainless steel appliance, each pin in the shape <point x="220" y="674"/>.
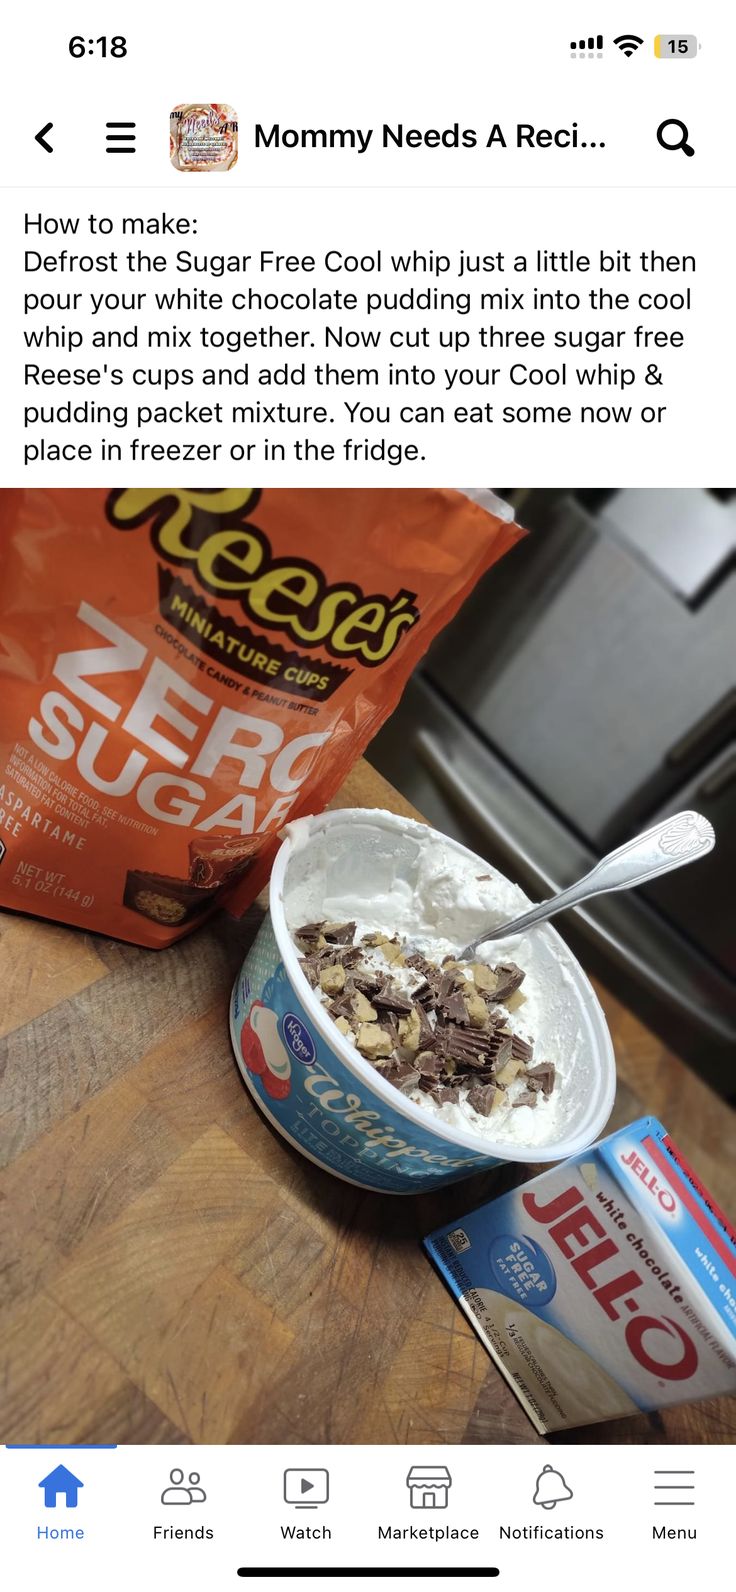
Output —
<point x="586" y="689"/>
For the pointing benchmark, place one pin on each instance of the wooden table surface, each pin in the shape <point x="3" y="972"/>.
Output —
<point x="174" y="1272"/>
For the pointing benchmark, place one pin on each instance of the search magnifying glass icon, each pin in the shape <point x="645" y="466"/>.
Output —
<point x="673" y="134"/>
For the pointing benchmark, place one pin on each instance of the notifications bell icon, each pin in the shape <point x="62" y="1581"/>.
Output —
<point x="551" y="1488"/>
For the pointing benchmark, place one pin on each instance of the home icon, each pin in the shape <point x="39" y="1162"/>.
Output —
<point x="429" y="1486"/>
<point x="62" y="1481"/>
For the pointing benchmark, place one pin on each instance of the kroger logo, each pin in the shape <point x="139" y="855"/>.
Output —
<point x="297" y="1038"/>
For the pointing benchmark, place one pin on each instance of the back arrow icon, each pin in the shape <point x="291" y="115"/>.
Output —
<point x="41" y="138"/>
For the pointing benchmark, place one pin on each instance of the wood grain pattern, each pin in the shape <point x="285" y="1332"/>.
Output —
<point x="34" y="984"/>
<point x="174" y="1272"/>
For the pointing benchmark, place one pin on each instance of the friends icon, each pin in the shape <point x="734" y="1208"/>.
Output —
<point x="180" y="1492"/>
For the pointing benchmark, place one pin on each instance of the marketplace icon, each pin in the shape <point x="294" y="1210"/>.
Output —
<point x="429" y="1486"/>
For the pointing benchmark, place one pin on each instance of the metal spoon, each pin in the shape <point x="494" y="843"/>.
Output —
<point x="677" y="840"/>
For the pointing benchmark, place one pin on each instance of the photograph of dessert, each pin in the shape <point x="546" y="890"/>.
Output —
<point x="473" y="1061"/>
<point x="315" y="1130"/>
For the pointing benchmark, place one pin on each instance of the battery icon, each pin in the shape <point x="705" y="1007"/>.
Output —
<point x="676" y="46"/>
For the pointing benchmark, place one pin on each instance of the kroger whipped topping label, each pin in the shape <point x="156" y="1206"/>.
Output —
<point x="328" y="1111"/>
<point x="603" y="1287"/>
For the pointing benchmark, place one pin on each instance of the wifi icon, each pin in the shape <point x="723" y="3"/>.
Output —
<point x="628" y="43"/>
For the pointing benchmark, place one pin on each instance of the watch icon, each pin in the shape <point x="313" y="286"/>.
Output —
<point x="305" y="1489"/>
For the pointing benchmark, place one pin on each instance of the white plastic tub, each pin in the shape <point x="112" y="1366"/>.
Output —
<point x="310" y="1081"/>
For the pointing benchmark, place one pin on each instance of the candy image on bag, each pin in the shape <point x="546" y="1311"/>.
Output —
<point x="183" y="670"/>
<point x="203" y="137"/>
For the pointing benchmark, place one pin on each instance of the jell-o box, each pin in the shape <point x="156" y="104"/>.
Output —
<point x="604" y="1287"/>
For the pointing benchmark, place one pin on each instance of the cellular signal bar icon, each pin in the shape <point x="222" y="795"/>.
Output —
<point x="587" y="47"/>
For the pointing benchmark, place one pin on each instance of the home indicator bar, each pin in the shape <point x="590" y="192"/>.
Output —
<point x="363" y="1570"/>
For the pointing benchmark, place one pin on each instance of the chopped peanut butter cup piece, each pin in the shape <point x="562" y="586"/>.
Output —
<point x="454" y="1009"/>
<point x="544" y="1074"/>
<point x="388" y="999"/>
<point x="476" y="1009"/>
<point x="508" y="979"/>
<point x="447" y="1036"/>
<point x="332" y="979"/>
<point x="420" y="964"/>
<point x="484" y="978"/>
<point x="410" y="1030"/>
<point x="367" y="983"/>
<point x="339" y="933"/>
<point x="481" y="1098"/>
<point x="309" y="932"/>
<point x="500" y="1047"/>
<point x="429" y="1065"/>
<point x="362" y="1008"/>
<point x="509" y="1071"/>
<point x="392" y="953"/>
<point x="445" y="1096"/>
<point x="373" y="1041"/>
<point x="402" y="1076"/>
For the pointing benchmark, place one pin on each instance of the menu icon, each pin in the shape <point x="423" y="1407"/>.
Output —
<point x="674" y="1489"/>
<point x="120" y="138"/>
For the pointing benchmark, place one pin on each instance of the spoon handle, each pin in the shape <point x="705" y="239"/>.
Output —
<point x="682" y="838"/>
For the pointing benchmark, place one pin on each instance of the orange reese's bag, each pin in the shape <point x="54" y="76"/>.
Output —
<point x="181" y="671"/>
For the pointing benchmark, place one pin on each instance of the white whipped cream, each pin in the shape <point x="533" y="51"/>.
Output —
<point x="398" y="878"/>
